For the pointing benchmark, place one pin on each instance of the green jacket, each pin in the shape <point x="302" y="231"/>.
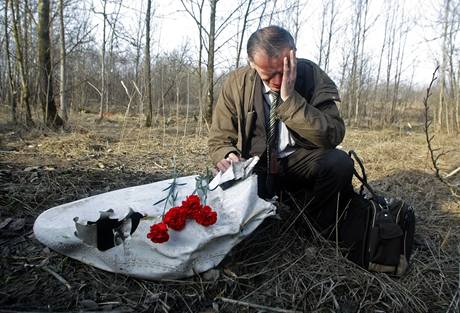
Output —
<point x="310" y="113"/>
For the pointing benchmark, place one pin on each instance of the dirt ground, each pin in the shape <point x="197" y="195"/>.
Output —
<point x="277" y="269"/>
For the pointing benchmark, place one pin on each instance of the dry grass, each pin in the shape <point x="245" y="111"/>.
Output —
<point x="282" y="267"/>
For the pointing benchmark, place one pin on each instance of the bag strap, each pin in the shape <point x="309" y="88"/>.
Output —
<point x="363" y="178"/>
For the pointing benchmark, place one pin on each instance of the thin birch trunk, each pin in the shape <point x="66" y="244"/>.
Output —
<point x="25" y="92"/>
<point x="103" y="76"/>
<point x="212" y="22"/>
<point x="11" y="93"/>
<point x="240" y="45"/>
<point x="329" y="38"/>
<point x="361" y="65"/>
<point x="62" y="63"/>
<point x="188" y="103"/>
<point x="442" y="72"/>
<point x="147" y="71"/>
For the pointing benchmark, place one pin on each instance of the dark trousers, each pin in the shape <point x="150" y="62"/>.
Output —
<point x="315" y="178"/>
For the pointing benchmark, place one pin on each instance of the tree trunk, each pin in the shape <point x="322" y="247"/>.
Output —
<point x="322" y="35"/>
<point x="148" y="79"/>
<point x="399" y="64"/>
<point x="51" y="117"/>
<point x="296" y="21"/>
<point x="137" y="62"/>
<point x="454" y="25"/>
<point x="442" y="84"/>
<point x="111" y="70"/>
<point x="377" y="96"/>
<point x="329" y="37"/>
<point x="356" y="44"/>
<point x="103" y="83"/>
<point x="11" y="92"/>
<point x="188" y="102"/>
<point x="200" y="72"/>
<point x="25" y="92"/>
<point x="25" y="46"/>
<point x="272" y="12"/>
<point x="62" y="65"/>
<point x="360" y="79"/>
<point x="262" y="14"/>
<point x="201" y="31"/>
<point x="457" y="101"/>
<point x="240" y="45"/>
<point x="390" y="52"/>
<point x="212" y="28"/>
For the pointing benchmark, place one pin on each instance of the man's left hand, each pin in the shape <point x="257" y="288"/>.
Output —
<point x="289" y="76"/>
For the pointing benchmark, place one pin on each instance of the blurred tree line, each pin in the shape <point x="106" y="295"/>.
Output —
<point x="64" y="56"/>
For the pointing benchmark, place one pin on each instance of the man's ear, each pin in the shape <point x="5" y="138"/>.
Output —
<point x="251" y="64"/>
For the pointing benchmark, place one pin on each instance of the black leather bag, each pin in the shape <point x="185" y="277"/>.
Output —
<point x="378" y="232"/>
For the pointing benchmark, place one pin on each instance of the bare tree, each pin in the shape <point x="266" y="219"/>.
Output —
<point x="62" y="65"/>
<point x="212" y="34"/>
<point x="11" y="92"/>
<point x="328" y="17"/>
<point x="20" y="60"/>
<point x="403" y="31"/>
<point x="390" y="53"/>
<point x="195" y="10"/>
<point x="454" y="74"/>
<point x="296" y="20"/>
<point x="51" y="117"/>
<point x="442" y="83"/>
<point x="102" y="90"/>
<point x="243" y="31"/>
<point x="436" y="153"/>
<point x="331" y="31"/>
<point x="379" y="68"/>
<point x="262" y="13"/>
<point x="112" y="21"/>
<point x="211" y="51"/>
<point x="360" y="79"/>
<point x="457" y="99"/>
<point x="359" y="19"/>
<point x="322" y="33"/>
<point x="272" y="13"/>
<point x="148" y="78"/>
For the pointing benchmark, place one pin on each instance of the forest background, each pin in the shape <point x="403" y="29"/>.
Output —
<point x="160" y="57"/>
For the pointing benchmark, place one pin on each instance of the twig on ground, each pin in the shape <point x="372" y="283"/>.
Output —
<point x="57" y="276"/>
<point x="255" y="306"/>
<point x="457" y="170"/>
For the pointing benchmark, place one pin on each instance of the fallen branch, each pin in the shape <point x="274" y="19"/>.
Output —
<point x="256" y="306"/>
<point x="57" y="276"/>
<point x="53" y="273"/>
<point x="457" y="170"/>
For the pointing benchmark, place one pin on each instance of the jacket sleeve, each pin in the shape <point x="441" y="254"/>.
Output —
<point x="315" y="123"/>
<point x="223" y="136"/>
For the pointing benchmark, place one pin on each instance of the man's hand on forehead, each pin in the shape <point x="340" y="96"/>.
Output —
<point x="289" y="75"/>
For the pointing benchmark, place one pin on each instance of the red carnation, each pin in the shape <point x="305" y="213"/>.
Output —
<point x="192" y="205"/>
<point x="175" y="218"/>
<point x="158" y="233"/>
<point x="206" y="216"/>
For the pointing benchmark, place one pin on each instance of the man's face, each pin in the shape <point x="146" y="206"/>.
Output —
<point x="270" y="69"/>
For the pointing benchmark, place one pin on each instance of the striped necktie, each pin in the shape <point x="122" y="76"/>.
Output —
<point x="272" y="133"/>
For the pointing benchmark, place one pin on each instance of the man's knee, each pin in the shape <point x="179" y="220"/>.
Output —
<point x="337" y="163"/>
